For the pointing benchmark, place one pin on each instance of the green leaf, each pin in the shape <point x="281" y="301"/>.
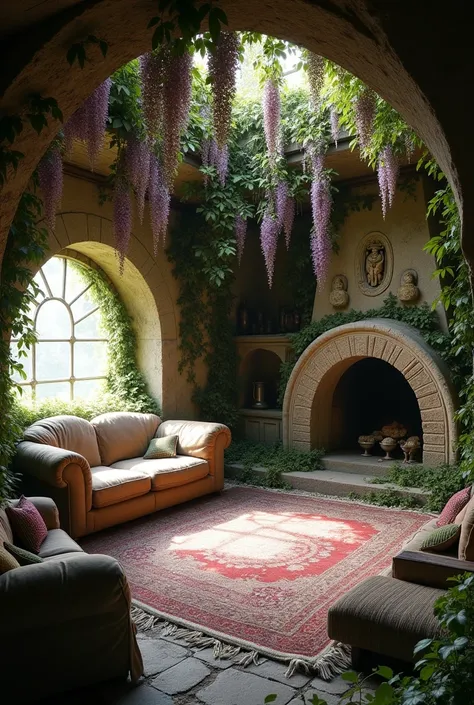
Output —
<point x="350" y="677"/>
<point x="421" y="645"/>
<point x="384" y="672"/>
<point x="270" y="698"/>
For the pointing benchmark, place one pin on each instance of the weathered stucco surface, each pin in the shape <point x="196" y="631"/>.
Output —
<point x="146" y="287"/>
<point x="407" y="230"/>
<point x="309" y="393"/>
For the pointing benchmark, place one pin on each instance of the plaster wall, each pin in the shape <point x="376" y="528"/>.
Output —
<point x="147" y="288"/>
<point x="407" y="229"/>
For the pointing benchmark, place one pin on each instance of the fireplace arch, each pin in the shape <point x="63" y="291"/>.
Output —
<point x="308" y="402"/>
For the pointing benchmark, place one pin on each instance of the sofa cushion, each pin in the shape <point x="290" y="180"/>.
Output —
<point x="58" y="542"/>
<point x="466" y="541"/>
<point x="27" y="524"/>
<point x="122" y="435"/>
<point x="113" y="485"/>
<point x="454" y="506"/>
<point x="162" y="448"/>
<point x="441" y="538"/>
<point x="415" y="542"/>
<point x="68" y="432"/>
<point x="23" y="556"/>
<point x="7" y="561"/>
<point x="167" y="472"/>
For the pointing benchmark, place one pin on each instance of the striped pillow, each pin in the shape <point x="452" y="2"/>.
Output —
<point x="442" y="538"/>
<point x="7" y="561"/>
<point x="27" y="524"/>
<point x="164" y="447"/>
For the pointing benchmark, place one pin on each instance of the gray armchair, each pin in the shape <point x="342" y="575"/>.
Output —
<point x="66" y="622"/>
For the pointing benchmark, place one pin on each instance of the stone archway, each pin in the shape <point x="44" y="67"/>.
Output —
<point x="308" y="397"/>
<point x="396" y="48"/>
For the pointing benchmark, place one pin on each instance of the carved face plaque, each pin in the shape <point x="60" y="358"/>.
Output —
<point x="374" y="264"/>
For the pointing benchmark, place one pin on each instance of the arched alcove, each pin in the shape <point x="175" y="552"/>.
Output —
<point x="263" y="366"/>
<point x="141" y="288"/>
<point x="309" y="398"/>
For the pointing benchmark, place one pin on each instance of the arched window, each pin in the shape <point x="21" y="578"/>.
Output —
<point x="69" y="359"/>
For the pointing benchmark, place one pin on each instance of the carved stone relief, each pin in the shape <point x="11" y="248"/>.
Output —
<point x="338" y="297"/>
<point x="374" y="264"/>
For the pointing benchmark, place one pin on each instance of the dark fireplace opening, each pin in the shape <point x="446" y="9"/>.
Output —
<point x="369" y="395"/>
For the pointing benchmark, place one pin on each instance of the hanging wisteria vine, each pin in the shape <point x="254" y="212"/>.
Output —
<point x="137" y="162"/>
<point x="222" y="65"/>
<point x="271" y="117"/>
<point x="387" y="172"/>
<point x="365" y="108"/>
<point x="269" y="240"/>
<point x="321" y="203"/>
<point x="50" y="175"/>
<point x="240" y="235"/>
<point x="177" y="103"/>
<point x="315" y="73"/>
<point x="152" y="76"/>
<point x="159" y="204"/>
<point x="88" y="123"/>
<point x="334" y="119"/>
<point x="122" y="218"/>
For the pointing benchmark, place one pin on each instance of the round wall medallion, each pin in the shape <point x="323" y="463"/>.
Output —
<point x="374" y="264"/>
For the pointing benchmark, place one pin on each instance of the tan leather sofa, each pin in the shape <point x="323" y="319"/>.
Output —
<point x="97" y="476"/>
<point x="64" y="623"/>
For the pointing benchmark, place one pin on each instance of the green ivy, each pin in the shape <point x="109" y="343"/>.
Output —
<point x="422" y="318"/>
<point x="124" y="383"/>
<point x="27" y="412"/>
<point x="274" y="458"/>
<point x="26" y="245"/>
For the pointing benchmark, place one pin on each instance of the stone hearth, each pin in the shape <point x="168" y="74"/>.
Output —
<point x="311" y="415"/>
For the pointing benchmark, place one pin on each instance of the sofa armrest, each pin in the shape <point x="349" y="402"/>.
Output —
<point x="47" y="508"/>
<point x="200" y="439"/>
<point x="432" y="569"/>
<point x="43" y="595"/>
<point x="61" y="474"/>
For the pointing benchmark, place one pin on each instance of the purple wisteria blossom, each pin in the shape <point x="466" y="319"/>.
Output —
<point x="321" y="204"/>
<point x="137" y="163"/>
<point x="222" y="66"/>
<point x="88" y="123"/>
<point x="122" y="219"/>
<point x="315" y="73"/>
<point x="50" y="175"/>
<point x="176" y="106"/>
<point x="365" y="107"/>
<point x="271" y="117"/>
<point x="269" y="242"/>
<point x="240" y="234"/>
<point x="159" y="204"/>
<point x="152" y="73"/>
<point x="334" y="118"/>
<point x="387" y="172"/>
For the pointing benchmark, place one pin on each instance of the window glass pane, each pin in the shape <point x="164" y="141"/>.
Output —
<point x="88" y="389"/>
<point x="53" y="270"/>
<point x="90" y="327"/>
<point x="60" y="390"/>
<point x="25" y="361"/>
<point x="53" y="321"/>
<point x="74" y="283"/>
<point x="53" y="361"/>
<point x="90" y="359"/>
<point x="83" y="305"/>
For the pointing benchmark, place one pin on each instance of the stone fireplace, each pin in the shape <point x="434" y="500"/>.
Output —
<point x="358" y="377"/>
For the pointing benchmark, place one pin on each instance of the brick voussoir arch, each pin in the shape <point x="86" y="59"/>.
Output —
<point x="308" y="396"/>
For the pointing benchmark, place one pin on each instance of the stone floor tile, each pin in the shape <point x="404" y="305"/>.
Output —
<point x="182" y="677"/>
<point x="329" y="698"/>
<point x="207" y="655"/>
<point x="276" y="671"/>
<point x="233" y="687"/>
<point x="159" y="655"/>
<point x="297" y="701"/>
<point x="337" y="685"/>
<point x="142" y="695"/>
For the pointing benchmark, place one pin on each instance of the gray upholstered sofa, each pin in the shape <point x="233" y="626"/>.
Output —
<point x="65" y="622"/>
<point x="96" y="474"/>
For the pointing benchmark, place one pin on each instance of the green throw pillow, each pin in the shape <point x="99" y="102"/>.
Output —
<point x="162" y="447"/>
<point x="23" y="556"/>
<point x="441" y="539"/>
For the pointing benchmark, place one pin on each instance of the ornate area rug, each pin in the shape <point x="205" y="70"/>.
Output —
<point x="256" y="569"/>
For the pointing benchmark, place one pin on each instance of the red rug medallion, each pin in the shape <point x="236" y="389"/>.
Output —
<point x="257" y="568"/>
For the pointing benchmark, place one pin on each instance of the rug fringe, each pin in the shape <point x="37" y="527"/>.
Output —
<point x="331" y="662"/>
